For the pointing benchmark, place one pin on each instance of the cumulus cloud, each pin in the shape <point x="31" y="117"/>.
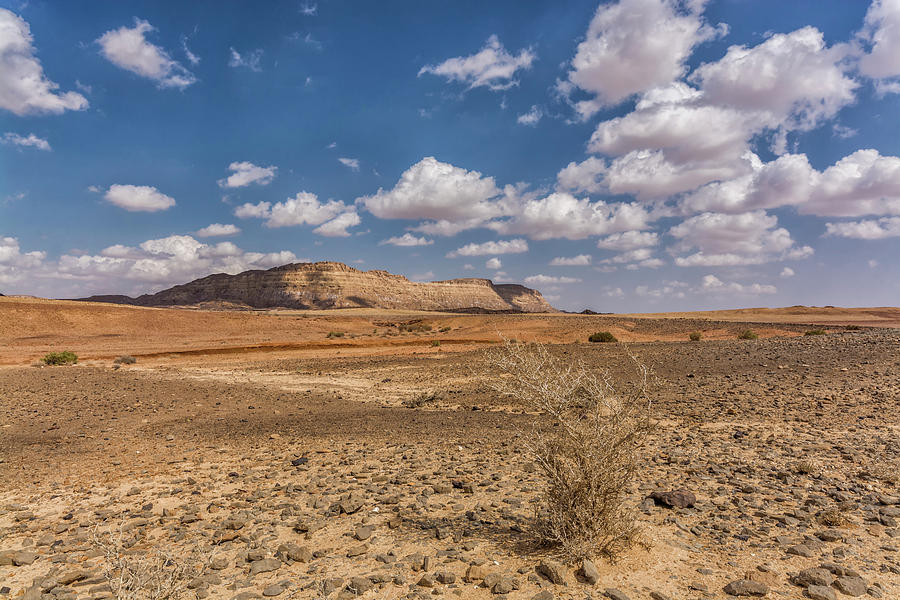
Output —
<point x="165" y="261"/>
<point x="788" y="180"/>
<point x="632" y="46"/>
<point x="138" y="198"/>
<point x="492" y="67"/>
<point x="532" y="117"/>
<point x="332" y="217"/>
<point x="787" y="273"/>
<point x="218" y="230"/>
<point x="792" y="76"/>
<point x="582" y="260"/>
<point x="14" y="264"/>
<point x="493" y="263"/>
<point x="714" y="285"/>
<point x="516" y="246"/>
<point x="30" y="140"/>
<point x="128" y="48"/>
<point x="629" y="240"/>
<point x="249" y="60"/>
<point x="351" y="163"/>
<point x="561" y="215"/>
<point x="452" y="198"/>
<point x="750" y="238"/>
<point x="881" y="32"/>
<point x="406" y="240"/>
<point x="337" y="227"/>
<point x="586" y="176"/>
<point x="244" y="173"/>
<point x="24" y="89"/>
<point x="863" y="183"/>
<point x="879" y="229"/>
<point x="549" y="279"/>
<point x="670" y="290"/>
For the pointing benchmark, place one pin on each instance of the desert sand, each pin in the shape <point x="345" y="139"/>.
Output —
<point x="378" y="463"/>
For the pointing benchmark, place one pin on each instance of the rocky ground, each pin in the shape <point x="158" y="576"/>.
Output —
<point x="395" y="477"/>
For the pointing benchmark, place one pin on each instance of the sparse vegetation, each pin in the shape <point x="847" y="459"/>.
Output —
<point x="747" y="334"/>
<point x="815" y="332"/>
<point x="66" y="357"/>
<point x="125" y="360"/>
<point x="602" y="336"/>
<point x="853" y="328"/>
<point x="422" y="400"/>
<point x="335" y="334"/>
<point x="444" y="329"/>
<point x="585" y="445"/>
<point x="414" y="327"/>
<point x="435" y="343"/>
<point x="695" y="336"/>
<point x="156" y="575"/>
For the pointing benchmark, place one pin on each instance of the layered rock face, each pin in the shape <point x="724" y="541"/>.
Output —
<point x="326" y="285"/>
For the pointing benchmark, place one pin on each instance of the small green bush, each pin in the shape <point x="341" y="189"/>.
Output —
<point x="747" y="334"/>
<point x="60" y="358"/>
<point x="423" y="399"/>
<point x="435" y="342"/>
<point x="695" y="336"/>
<point x="335" y="334"/>
<point x="444" y="329"/>
<point x="853" y="328"/>
<point x="815" y="332"/>
<point x="125" y="360"/>
<point x="602" y="336"/>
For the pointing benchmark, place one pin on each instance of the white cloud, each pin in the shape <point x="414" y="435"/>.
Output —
<point x="863" y="183"/>
<point x="787" y="273"/>
<point x="333" y="217"/>
<point x="631" y="256"/>
<point x="218" y="229"/>
<point x="14" y="265"/>
<point x="614" y="293"/>
<point x="882" y="33"/>
<point x="493" y="263"/>
<point x="727" y="240"/>
<point x="632" y="46"/>
<point x="629" y="240"/>
<point x="248" y="59"/>
<point x="165" y="261"/>
<point x="128" y="48"/>
<point x="24" y="89"/>
<point x="492" y="67"/>
<point x="714" y="285"/>
<point x="138" y="198"/>
<point x="406" y="240"/>
<point x="872" y="263"/>
<point x="586" y="176"/>
<point x="792" y="76"/>
<point x="192" y="58"/>
<point x="351" y="163"/>
<point x="426" y="276"/>
<point x="561" y="215"/>
<point x="453" y="198"/>
<point x="545" y="279"/>
<point x="532" y="117"/>
<point x="788" y="180"/>
<point x="582" y="260"/>
<point x="667" y="291"/>
<point x="337" y="227"/>
<point x="244" y="173"/>
<point x="309" y="10"/>
<point x="885" y="227"/>
<point x="31" y="140"/>
<point x="516" y="246"/>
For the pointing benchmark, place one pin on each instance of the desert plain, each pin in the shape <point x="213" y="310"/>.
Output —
<point x="364" y="453"/>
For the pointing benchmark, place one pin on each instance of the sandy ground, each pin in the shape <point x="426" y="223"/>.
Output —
<point x="791" y="444"/>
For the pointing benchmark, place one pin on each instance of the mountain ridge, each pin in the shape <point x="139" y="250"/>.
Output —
<point x="329" y="285"/>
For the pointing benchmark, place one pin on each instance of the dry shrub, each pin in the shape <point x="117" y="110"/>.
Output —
<point x="154" y="575"/>
<point x="586" y="447"/>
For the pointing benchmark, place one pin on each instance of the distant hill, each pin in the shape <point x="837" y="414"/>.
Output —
<point x="325" y="285"/>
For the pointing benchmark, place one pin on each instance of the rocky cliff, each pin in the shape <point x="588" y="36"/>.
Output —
<point x="325" y="285"/>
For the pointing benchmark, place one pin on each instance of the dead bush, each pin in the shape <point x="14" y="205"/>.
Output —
<point x="585" y="445"/>
<point x="150" y="575"/>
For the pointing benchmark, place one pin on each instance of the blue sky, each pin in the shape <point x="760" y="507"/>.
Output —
<point x="638" y="155"/>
